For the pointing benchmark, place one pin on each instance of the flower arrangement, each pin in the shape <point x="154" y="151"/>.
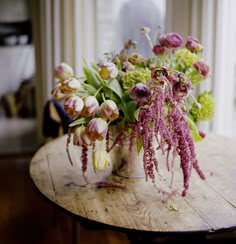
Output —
<point x="148" y="99"/>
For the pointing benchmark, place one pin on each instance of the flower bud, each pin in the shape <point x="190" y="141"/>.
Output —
<point x="193" y="45"/>
<point x="202" y="68"/>
<point x="109" y="110"/>
<point x="158" y="49"/>
<point x="140" y="92"/>
<point x="91" y="106"/>
<point x="108" y="71"/>
<point x="97" y="129"/>
<point x="162" y="39"/>
<point x="81" y="137"/>
<point x="74" y="106"/>
<point x="101" y="159"/>
<point x="70" y="85"/>
<point x="63" y="71"/>
<point x="56" y="92"/>
<point x="144" y="30"/>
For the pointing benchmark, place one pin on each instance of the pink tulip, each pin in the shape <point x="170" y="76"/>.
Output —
<point x="74" y="106"/>
<point x="109" y="110"/>
<point x="56" y="92"/>
<point x="70" y="85"/>
<point x="108" y="71"/>
<point x="63" y="71"/>
<point x="81" y="137"/>
<point x="91" y="106"/>
<point x="97" y="129"/>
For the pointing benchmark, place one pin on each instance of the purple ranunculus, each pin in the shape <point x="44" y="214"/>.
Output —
<point x="181" y="86"/>
<point x="158" y="72"/>
<point x="193" y="45"/>
<point x="202" y="68"/>
<point x="140" y="92"/>
<point x="173" y="40"/>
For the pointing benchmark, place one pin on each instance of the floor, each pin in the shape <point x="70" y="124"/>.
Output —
<point x="26" y="217"/>
<point x="17" y="135"/>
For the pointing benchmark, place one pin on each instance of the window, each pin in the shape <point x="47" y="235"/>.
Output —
<point x="119" y="20"/>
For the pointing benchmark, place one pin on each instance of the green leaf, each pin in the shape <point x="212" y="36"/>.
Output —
<point x="118" y="63"/>
<point x="110" y="94"/>
<point x="139" y="144"/>
<point x="114" y="85"/>
<point x="78" y="122"/>
<point x="136" y="113"/>
<point x="128" y="109"/>
<point x="91" y="77"/>
<point x="90" y="89"/>
<point x="193" y="129"/>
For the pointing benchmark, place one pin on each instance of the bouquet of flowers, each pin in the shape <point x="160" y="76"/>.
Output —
<point x="148" y="99"/>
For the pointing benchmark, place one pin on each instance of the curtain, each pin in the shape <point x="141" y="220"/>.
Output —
<point x="63" y="31"/>
<point x="211" y="22"/>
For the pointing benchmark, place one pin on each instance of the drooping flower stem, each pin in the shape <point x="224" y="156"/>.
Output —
<point x="67" y="145"/>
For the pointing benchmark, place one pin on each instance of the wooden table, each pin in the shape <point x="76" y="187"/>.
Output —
<point x="210" y="205"/>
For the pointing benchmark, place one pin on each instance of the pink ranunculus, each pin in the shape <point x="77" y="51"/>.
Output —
<point x="193" y="45"/>
<point x="91" y="106"/>
<point x="97" y="129"/>
<point x="158" y="49"/>
<point x="63" y="71"/>
<point x="70" y="85"/>
<point x="80" y="136"/>
<point x="202" y="68"/>
<point x="109" y="110"/>
<point x="173" y="40"/>
<point x="74" y="106"/>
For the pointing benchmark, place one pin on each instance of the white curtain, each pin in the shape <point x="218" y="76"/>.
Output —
<point x="212" y="22"/>
<point x="63" y="31"/>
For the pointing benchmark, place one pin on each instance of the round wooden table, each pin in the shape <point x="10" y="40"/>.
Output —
<point x="209" y="206"/>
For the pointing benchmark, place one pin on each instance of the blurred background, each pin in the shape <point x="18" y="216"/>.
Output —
<point x="37" y="35"/>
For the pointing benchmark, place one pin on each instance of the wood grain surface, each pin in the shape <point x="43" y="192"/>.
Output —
<point x="209" y="206"/>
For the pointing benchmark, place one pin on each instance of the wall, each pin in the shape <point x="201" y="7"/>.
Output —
<point x="14" y="10"/>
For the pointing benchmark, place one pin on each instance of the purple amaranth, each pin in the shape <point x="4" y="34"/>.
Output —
<point x="107" y="140"/>
<point x="185" y="146"/>
<point x="146" y="132"/>
<point x="84" y="160"/>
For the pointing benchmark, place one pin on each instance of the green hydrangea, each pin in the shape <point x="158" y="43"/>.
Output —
<point x="131" y="78"/>
<point x="206" y="109"/>
<point x="185" y="57"/>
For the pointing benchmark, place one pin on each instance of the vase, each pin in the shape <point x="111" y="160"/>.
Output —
<point x="125" y="162"/>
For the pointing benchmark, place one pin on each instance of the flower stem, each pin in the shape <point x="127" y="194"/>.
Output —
<point x="98" y="90"/>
